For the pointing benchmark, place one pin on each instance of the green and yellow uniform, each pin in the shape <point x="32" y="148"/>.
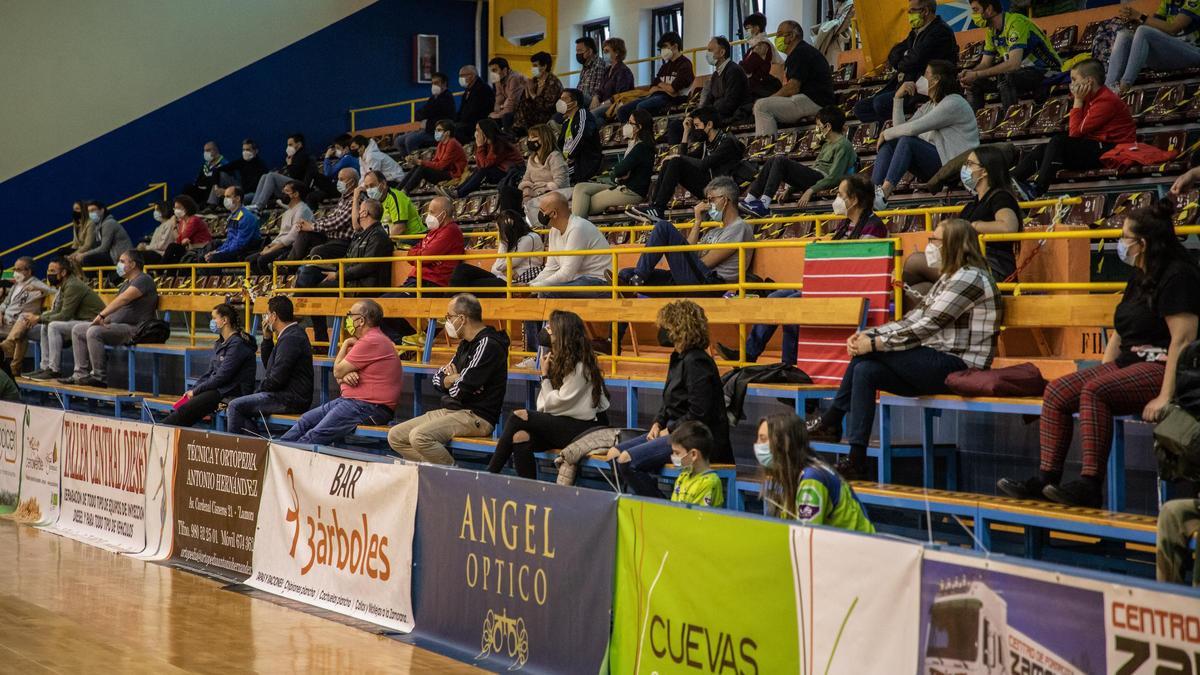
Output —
<point x="1020" y="32"/>
<point x="398" y="208"/>
<point x="703" y="488"/>
<point x="823" y="498"/>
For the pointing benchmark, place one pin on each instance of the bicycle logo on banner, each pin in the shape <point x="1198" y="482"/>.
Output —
<point x="504" y="635"/>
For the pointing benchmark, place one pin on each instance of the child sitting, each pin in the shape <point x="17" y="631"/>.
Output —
<point x="691" y="446"/>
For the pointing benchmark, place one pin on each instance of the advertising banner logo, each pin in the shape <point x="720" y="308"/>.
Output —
<point x="1150" y="633"/>
<point x="337" y="533"/>
<point x="12" y="427"/>
<point x="40" y="466"/>
<point x="515" y="574"/>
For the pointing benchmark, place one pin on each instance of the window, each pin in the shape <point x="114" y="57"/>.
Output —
<point x="666" y="20"/>
<point x="738" y="11"/>
<point x="597" y="30"/>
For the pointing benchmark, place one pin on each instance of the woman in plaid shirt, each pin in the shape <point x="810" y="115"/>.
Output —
<point x="954" y="328"/>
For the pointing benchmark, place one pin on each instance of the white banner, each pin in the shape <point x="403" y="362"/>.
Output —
<point x="856" y="601"/>
<point x="40" y="466"/>
<point x="337" y="534"/>
<point x="1150" y="632"/>
<point x="12" y="427"/>
<point x="160" y="490"/>
<point x="104" y="464"/>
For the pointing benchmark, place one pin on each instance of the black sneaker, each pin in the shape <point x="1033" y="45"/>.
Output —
<point x="44" y="374"/>
<point x="69" y="379"/>
<point x="819" y="432"/>
<point x="1084" y="493"/>
<point x="727" y="353"/>
<point x="851" y="470"/>
<point x="646" y="214"/>
<point x="92" y="381"/>
<point x="1022" y="489"/>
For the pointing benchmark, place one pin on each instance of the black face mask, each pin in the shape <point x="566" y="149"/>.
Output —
<point x="533" y="146"/>
<point x="580" y="59"/>
<point x="55" y="281"/>
<point x="353" y="152"/>
<point x="543" y="218"/>
<point x="543" y="338"/>
<point x="664" y="338"/>
<point x="699" y="135"/>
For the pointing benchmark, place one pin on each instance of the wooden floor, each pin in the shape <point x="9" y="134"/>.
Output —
<point x="66" y="607"/>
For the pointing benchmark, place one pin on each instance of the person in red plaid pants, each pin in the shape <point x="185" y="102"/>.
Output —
<point x="1154" y="321"/>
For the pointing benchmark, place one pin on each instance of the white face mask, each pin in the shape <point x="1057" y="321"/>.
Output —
<point x="710" y="58"/>
<point x="180" y="213"/>
<point x="922" y="86"/>
<point x="560" y="106"/>
<point x="291" y="150"/>
<point x="342" y="187"/>
<point x="839" y="206"/>
<point x="229" y="203"/>
<point x="432" y="222"/>
<point x="208" y="156"/>
<point x="339" y="153"/>
<point x="933" y="255"/>
<point x="536" y="71"/>
<point x="374" y="192"/>
<point x="666" y="53"/>
<point x="493" y="77"/>
<point x="158" y="216"/>
<point x="435" y="90"/>
<point x="762" y="452"/>
<point x="677" y="460"/>
<point x="20" y="277"/>
<point x="462" y="82"/>
<point x="627" y="130"/>
<point x="247" y="155"/>
<point x="451" y="329"/>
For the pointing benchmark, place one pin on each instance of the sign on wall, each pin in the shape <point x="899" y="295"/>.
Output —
<point x="12" y="431"/>
<point x="40" y="466"/>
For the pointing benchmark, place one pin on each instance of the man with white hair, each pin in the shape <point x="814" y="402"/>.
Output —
<point x="478" y="99"/>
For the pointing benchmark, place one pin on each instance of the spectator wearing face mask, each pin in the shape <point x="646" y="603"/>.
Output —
<point x="329" y="235"/>
<point x="670" y="84"/>
<point x="591" y="73"/>
<point x="287" y="382"/>
<point x="244" y="172"/>
<point x="164" y="234"/>
<point x="439" y="106"/>
<point x="279" y="247"/>
<point x="835" y="160"/>
<point x="930" y="38"/>
<point x="74" y="304"/>
<point x="478" y="99"/>
<point x="510" y="89"/>
<point x="82" y="229"/>
<point x="337" y="157"/>
<point x="443" y="238"/>
<point x="759" y="58"/>
<point x="23" y="297"/>
<point x="809" y="85"/>
<point x="111" y="239"/>
<point x="191" y="232"/>
<point x="545" y="170"/>
<point x="230" y="373"/>
<point x="371" y="158"/>
<point x="400" y="216"/>
<point x="579" y="136"/>
<point x="242" y="235"/>
<point x="628" y="181"/>
<point x="448" y="163"/>
<point x="618" y="78"/>
<point x="298" y="166"/>
<point x="725" y="91"/>
<point x="542" y="90"/>
<point x="209" y="175"/>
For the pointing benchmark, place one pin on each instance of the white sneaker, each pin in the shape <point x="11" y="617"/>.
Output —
<point x="528" y="364"/>
<point x="880" y="203"/>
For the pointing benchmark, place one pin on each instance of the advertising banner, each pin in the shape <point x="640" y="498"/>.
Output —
<point x="218" y="483"/>
<point x="982" y="617"/>
<point x="700" y="591"/>
<point x="515" y="572"/>
<point x="104" y="464"/>
<point x="160" y="469"/>
<point x="40" y="466"/>
<point x="337" y="534"/>
<point x="1150" y="633"/>
<point x="12" y="431"/>
<point x="856" y="597"/>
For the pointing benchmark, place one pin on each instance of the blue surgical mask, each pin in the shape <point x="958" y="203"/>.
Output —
<point x="1124" y="254"/>
<point x="439" y="135"/>
<point x="762" y="452"/>
<point x="968" y="178"/>
<point x="121" y="269"/>
<point x="342" y="186"/>
<point x="374" y="192"/>
<point x="713" y="212"/>
<point x="94" y="216"/>
<point x="212" y="326"/>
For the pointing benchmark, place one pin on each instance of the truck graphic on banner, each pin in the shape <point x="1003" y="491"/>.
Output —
<point x="969" y="634"/>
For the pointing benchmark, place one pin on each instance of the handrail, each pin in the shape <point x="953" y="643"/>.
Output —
<point x="412" y="103"/>
<point x="150" y="188"/>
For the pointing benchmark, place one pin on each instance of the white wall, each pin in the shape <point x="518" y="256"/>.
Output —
<point x="630" y="21"/>
<point x="74" y="70"/>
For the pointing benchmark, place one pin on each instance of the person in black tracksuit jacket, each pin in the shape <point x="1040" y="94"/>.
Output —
<point x="230" y="373"/>
<point x="931" y="38"/>
<point x="472" y="386"/>
<point x="287" y="384"/>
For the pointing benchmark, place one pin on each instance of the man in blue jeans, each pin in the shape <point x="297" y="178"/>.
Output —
<point x="670" y="84"/>
<point x="760" y="335"/>
<point x="287" y="384"/>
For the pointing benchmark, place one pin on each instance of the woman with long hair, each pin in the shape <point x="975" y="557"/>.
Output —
<point x="163" y="236"/>
<point x="628" y="181"/>
<point x="513" y="235"/>
<point x="82" y="229"/>
<point x="545" y="170"/>
<point x="1154" y="321"/>
<point x="495" y="155"/>
<point x="692" y="392"/>
<point x="799" y="485"/>
<point x="954" y="328"/>
<point x="938" y="131"/>
<point x="192" y="233"/>
<point x="572" y="399"/>
<point x="230" y="373"/>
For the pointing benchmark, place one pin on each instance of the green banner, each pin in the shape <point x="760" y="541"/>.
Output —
<point x="700" y="591"/>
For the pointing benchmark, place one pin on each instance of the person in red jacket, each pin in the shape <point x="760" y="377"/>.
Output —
<point x="495" y="155"/>
<point x="448" y="163"/>
<point x="1100" y="121"/>
<point x="443" y="238"/>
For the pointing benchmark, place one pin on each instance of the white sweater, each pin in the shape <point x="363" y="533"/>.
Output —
<point x="572" y="399"/>
<point x="532" y="241"/>
<point x="949" y="126"/>
<point x="581" y="235"/>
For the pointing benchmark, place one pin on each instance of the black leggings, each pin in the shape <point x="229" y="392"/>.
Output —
<point x="200" y="406"/>
<point x="546" y="432"/>
<point x="424" y="173"/>
<point x="780" y="169"/>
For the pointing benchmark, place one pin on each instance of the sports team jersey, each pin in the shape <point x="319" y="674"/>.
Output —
<point x="1020" y="32"/>
<point x="1188" y="8"/>
<point x="823" y="498"/>
<point x="704" y="489"/>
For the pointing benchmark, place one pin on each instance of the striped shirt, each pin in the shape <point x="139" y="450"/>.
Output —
<point x="960" y="316"/>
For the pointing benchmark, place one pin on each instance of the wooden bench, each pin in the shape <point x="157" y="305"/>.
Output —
<point x="66" y="393"/>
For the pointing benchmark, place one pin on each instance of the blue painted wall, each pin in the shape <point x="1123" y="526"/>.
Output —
<point x="363" y="60"/>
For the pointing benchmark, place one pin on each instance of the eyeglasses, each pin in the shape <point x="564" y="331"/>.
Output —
<point x="352" y="315"/>
<point x="973" y="164"/>
<point x="448" y="317"/>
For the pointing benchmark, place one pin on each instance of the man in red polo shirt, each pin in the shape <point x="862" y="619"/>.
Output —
<point x="443" y="238"/>
<point x="1100" y="121"/>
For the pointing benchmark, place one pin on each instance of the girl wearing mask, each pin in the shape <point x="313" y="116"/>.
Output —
<point x="513" y="235"/>
<point x="545" y="170"/>
<point x="82" y="229"/>
<point x="230" y="373"/>
<point x="630" y="176"/>
<point x="495" y="155"/>
<point x="191" y="231"/>
<point x="572" y="398"/>
<point x="162" y="237"/>
<point x="1155" y="320"/>
<point x="618" y="78"/>
<point x="448" y="163"/>
<point x="799" y="485"/>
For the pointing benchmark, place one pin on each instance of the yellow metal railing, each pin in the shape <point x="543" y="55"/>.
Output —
<point x="153" y="187"/>
<point x="412" y="102"/>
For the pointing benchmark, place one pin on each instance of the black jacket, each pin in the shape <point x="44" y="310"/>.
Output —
<point x="482" y="365"/>
<point x="372" y="242"/>
<point x="586" y="154"/>
<point x="231" y="371"/>
<point x="910" y="56"/>
<point x="694" y="392"/>
<point x="248" y="172"/>
<point x="726" y="92"/>
<point x="303" y="169"/>
<point x="722" y="155"/>
<point x="289" y="368"/>
<point x="477" y="103"/>
<point x="437" y="108"/>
